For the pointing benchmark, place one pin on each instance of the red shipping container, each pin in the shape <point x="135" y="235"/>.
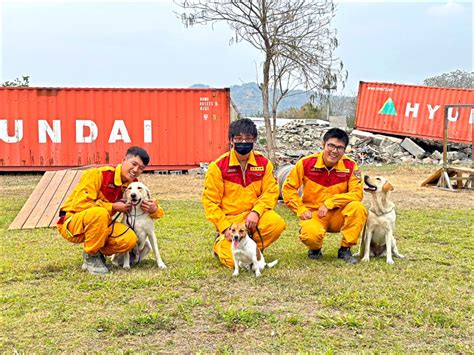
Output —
<point x="416" y="111"/>
<point x="52" y="128"/>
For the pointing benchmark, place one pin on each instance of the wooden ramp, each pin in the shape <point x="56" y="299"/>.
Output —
<point x="451" y="179"/>
<point x="42" y="207"/>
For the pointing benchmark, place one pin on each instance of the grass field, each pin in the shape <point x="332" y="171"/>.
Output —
<point x="421" y="304"/>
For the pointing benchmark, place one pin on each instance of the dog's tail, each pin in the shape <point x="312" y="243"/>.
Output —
<point x="272" y="264"/>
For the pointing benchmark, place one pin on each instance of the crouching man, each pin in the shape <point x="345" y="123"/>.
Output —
<point x="240" y="188"/>
<point x="332" y="195"/>
<point x="86" y="216"/>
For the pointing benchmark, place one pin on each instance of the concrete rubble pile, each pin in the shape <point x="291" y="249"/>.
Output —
<point x="302" y="137"/>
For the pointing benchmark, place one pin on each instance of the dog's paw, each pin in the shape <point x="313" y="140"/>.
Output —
<point x="356" y="255"/>
<point x="390" y="261"/>
<point x="400" y="256"/>
<point x="258" y="274"/>
<point x="126" y="267"/>
<point x="235" y="274"/>
<point x="161" y="265"/>
<point x="365" y="259"/>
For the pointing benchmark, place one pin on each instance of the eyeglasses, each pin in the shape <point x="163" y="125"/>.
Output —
<point x="241" y="139"/>
<point x="339" y="148"/>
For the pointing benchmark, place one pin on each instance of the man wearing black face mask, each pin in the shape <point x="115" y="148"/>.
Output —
<point x="240" y="187"/>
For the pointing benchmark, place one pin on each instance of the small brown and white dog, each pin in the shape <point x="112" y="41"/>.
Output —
<point x="143" y="226"/>
<point x="380" y="227"/>
<point x="245" y="251"/>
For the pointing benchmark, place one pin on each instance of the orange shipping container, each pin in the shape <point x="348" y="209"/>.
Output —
<point x="416" y="111"/>
<point x="52" y="128"/>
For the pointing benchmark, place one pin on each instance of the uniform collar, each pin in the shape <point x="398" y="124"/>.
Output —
<point x="235" y="162"/>
<point x="320" y="163"/>
<point x="118" y="175"/>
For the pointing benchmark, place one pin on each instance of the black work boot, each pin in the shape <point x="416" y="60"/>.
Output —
<point x="346" y="254"/>
<point x="315" y="254"/>
<point x="94" y="264"/>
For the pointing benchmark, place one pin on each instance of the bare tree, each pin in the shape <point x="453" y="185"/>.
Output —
<point x="294" y="36"/>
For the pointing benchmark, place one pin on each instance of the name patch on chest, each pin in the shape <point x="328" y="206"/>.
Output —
<point x="257" y="168"/>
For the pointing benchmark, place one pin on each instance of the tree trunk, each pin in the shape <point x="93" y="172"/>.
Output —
<point x="266" y="112"/>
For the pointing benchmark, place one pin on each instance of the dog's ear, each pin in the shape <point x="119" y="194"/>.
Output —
<point x="387" y="187"/>
<point x="148" y="193"/>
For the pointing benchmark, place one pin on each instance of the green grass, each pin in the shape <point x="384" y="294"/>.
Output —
<point x="421" y="304"/>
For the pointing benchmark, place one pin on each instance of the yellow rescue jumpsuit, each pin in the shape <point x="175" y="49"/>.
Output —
<point x="230" y="194"/>
<point x="85" y="217"/>
<point x="340" y="189"/>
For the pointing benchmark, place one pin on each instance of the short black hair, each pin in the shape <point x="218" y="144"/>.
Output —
<point x="245" y="126"/>
<point x="338" y="134"/>
<point x="138" y="152"/>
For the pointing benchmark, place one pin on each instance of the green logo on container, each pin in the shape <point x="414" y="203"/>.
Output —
<point x="388" y="108"/>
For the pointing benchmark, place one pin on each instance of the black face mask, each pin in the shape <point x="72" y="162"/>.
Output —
<point x="243" y="148"/>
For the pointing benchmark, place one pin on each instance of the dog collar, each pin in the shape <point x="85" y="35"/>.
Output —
<point x="381" y="214"/>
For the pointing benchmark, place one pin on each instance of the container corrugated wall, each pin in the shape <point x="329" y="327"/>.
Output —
<point x="51" y="128"/>
<point x="416" y="111"/>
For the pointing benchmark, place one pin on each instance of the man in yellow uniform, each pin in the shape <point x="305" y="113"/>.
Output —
<point x="332" y="195"/>
<point x="240" y="187"/>
<point x="85" y="217"/>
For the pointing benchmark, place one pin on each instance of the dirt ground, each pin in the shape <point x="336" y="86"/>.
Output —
<point x="406" y="180"/>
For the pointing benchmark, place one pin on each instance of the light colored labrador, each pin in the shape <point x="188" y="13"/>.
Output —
<point x="380" y="227"/>
<point x="143" y="226"/>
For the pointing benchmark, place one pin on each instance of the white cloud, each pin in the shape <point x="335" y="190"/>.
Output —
<point x="449" y="8"/>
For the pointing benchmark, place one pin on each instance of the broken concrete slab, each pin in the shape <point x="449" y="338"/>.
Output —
<point x="413" y="148"/>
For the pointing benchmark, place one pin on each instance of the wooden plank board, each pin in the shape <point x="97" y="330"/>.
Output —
<point x="433" y="178"/>
<point x="43" y="202"/>
<point x="56" y="198"/>
<point x="32" y="201"/>
<point x="443" y="177"/>
<point x="76" y="176"/>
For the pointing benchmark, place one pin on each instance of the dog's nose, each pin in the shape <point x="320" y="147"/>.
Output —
<point x="236" y="237"/>
<point x="133" y="195"/>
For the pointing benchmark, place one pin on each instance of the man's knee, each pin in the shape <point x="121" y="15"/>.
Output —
<point x="312" y="233"/>
<point x="355" y="208"/>
<point x="280" y="224"/>
<point x="272" y="222"/>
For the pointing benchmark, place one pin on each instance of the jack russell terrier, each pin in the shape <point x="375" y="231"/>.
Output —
<point x="245" y="252"/>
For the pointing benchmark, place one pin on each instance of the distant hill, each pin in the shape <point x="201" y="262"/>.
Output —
<point x="248" y="99"/>
<point x="199" y="86"/>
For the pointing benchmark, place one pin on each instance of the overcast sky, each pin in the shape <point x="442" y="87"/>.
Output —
<point x="143" y="44"/>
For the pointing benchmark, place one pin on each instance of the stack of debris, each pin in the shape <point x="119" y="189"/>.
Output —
<point x="303" y="137"/>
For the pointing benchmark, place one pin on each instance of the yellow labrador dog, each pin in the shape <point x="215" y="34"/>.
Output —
<point x="143" y="226"/>
<point x="379" y="230"/>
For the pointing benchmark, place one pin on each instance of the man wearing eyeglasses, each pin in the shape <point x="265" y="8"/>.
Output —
<point x="86" y="215"/>
<point x="332" y="196"/>
<point x="240" y="187"/>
